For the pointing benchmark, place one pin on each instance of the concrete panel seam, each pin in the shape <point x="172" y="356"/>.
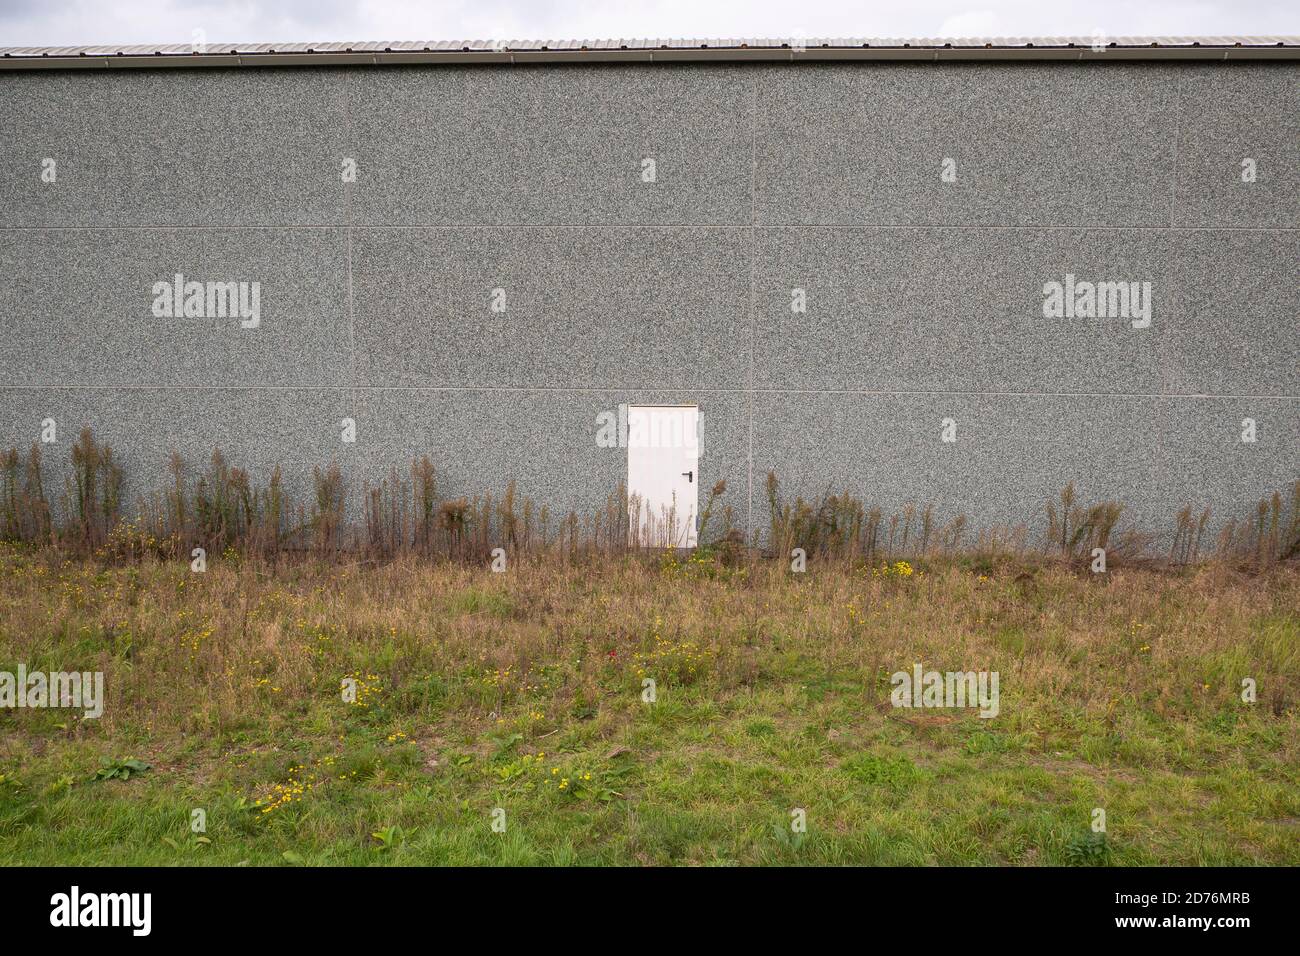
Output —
<point x="597" y="389"/>
<point x="352" y="325"/>
<point x="753" y="296"/>
<point x="279" y="227"/>
<point x="1173" y="177"/>
<point x="347" y="217"/>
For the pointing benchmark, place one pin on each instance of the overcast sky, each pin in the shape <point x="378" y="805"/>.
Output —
<point x="85" y="22"/>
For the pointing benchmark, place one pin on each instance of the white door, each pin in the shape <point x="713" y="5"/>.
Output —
<point x="663" y="474"/>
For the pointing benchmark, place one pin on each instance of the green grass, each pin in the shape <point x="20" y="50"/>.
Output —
<point x="523" y="691"/>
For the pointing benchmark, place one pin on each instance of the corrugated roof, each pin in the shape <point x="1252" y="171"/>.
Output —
<point x="646" y="49"/>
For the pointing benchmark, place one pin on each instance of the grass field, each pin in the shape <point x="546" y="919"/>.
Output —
<point x="523" y="691"/>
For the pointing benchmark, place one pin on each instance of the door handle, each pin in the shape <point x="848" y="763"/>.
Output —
<point x="690" y="476"/>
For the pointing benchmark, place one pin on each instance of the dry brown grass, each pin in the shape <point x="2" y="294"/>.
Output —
<point x="1120" y="690"/>
<point x="197" y="651"/>
<point x="221" y="507"/>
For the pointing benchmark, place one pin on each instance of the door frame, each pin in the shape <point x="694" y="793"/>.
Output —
<point x="667" y="529"/>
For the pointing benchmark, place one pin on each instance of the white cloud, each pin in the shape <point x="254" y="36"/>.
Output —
<point x="69" y="22"/>
<point x="972" y="23"/>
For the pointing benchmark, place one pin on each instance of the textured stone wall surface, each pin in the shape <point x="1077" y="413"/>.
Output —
<point x="500" y="271"/>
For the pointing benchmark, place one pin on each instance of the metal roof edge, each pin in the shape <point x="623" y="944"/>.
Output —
<point x="648" y="51"/>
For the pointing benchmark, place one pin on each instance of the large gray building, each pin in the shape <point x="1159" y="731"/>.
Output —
<point x="959" y="272"/>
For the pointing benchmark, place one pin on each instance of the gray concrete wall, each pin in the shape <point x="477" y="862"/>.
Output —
<point x="924" y="297"/>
